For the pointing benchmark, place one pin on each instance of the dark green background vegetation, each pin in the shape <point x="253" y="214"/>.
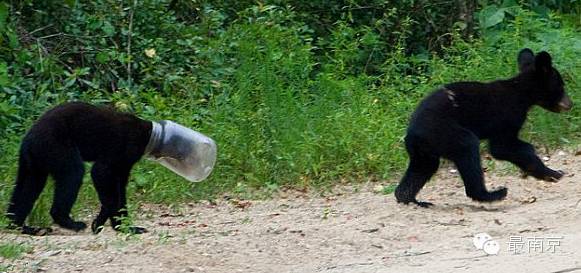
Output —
<point x="296" y="93"/>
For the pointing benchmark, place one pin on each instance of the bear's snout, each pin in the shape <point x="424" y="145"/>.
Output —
<point x="565" y="104"/>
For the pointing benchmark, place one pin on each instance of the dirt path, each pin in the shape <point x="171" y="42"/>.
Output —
<point x="350" y="231"/>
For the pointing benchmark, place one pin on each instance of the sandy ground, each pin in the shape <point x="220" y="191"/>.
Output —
<point x="348" y="230"/>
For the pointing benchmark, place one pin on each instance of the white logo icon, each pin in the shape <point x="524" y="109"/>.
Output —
<point x="491" y="247"/>
<point x="484" y="241"/>
<point x="479" y="240"/>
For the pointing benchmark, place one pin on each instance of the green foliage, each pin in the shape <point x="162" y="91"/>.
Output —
<point x="296" y="93"/>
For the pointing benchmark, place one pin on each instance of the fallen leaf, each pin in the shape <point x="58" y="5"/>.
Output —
<point x="240" y="203"/>
<point x="413" y="239"/>
<point x="370" y="230"/>
<point x="529" y="200"/>
<point x="378" y="189"/>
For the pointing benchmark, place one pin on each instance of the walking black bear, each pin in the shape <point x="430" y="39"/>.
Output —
<point x="58" y="143"/>
<point x="450" y="122"/>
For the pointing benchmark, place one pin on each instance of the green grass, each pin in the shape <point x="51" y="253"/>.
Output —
<point x="13" y="250"/>
<point x="389" y="189"/>
<point x="5" y="268"/>
<point x="285" y="117"/>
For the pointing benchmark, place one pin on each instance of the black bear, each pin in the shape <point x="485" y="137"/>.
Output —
<point x="450" y="122"/>
<point x="58" y="144"/>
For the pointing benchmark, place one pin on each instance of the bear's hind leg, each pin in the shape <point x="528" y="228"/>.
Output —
<point x="29" y="184"/>
<point x="420" y="170"/>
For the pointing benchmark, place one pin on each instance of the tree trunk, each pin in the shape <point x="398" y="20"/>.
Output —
<point x="466" y="10"/>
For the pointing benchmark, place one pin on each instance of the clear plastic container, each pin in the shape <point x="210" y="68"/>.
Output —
<point x="184" y="151"/>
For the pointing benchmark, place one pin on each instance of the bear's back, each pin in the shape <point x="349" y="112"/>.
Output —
<point x="94" y="131"/>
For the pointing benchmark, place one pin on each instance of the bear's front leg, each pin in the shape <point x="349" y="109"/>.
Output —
<point x="121" y="213"/>
<point x="110" y="183"/>
<point x="522" y="154"/>
<point x="466" y="157"/>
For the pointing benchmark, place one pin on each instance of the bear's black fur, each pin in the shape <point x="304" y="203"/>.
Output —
<point x="450" y="122"/>
<point x="58" y="144"/>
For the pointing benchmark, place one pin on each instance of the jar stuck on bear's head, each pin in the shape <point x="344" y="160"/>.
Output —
<point x="184" y="151"/>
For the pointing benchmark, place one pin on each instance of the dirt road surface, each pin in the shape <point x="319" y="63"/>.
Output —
<point x="353" y="229"/>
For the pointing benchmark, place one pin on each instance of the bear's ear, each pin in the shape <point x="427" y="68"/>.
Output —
<point x="526" y="59"/>
<point x="543" y="62"/>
